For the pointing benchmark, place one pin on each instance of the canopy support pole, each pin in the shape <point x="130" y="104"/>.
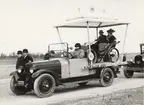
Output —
<point x="124" y="42"/>
<point x="59" y="34"/>
<point x="59" y="37"/>
<point x="96" y="33"/>
<point x="89" y="42"/>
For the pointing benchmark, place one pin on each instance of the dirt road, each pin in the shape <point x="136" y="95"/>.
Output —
<point x="67" y="92"/>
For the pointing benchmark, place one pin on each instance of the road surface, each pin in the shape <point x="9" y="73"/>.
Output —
<point x="67" y="92"/>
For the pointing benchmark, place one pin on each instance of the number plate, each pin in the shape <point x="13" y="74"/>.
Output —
<point x="20" y="82"/>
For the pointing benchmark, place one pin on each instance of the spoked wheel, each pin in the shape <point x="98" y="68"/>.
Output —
<point x="106" y="77"/>
<point x="113" y="55"/>
<point x="44" y="85"/>
<point x="18" y="90"/>
<point x="82" y="84"/>
<point x="128" y="73"/>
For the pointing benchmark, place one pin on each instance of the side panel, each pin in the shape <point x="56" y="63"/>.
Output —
<point x="65" y="70"/>
<point x="78" y="67"/>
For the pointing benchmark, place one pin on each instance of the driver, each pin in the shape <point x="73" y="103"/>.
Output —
<point x="79" y="52"/>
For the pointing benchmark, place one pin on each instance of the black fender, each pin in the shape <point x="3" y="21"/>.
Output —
<point x="13" y="73"/>
<point x="39" y="72"/>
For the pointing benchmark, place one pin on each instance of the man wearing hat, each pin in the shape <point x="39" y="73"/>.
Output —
<point x="110" y="37"/>
<point x="100" y="39"/>
<point x="79" y="52"/>
<point x="27" y="58"/>
<point x="19" y="61"/>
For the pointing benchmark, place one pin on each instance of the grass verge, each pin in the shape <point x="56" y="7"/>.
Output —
<point x="124" y="97"/>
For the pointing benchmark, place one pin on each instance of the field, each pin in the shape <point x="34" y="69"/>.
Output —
<point x="7" y="66"/>
<point x="133" y="96"/>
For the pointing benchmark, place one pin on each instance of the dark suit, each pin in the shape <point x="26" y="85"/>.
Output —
<point x="46" y="56"/>
<point x="27" y="59"/>
<point x="101" y="39"/>
<point x="20" y="62"/>
<point x="111" y="39"/>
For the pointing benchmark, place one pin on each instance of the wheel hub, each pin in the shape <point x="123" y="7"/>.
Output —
<point x="107" y="77"/>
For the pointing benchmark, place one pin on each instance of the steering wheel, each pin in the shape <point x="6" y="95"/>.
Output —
<point x="67" y="54"/>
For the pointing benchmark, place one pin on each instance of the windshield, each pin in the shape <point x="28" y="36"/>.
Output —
<point x="58" y="48"/>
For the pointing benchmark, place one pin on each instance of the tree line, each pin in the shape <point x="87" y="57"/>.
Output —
<point x="14" y="55"/>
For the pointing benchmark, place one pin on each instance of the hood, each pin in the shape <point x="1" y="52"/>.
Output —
<point x="47" y="64"/>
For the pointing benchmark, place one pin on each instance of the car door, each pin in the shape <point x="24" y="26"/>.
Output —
<point x="78" y="67"/>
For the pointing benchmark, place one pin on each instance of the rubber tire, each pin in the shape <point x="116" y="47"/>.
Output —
<point x="36" y="85"/>
<point x="128" y="74"/>
<point x="82" y="84"/>
<point x="104" y="70"/>
<point x="117" y="53"/>
<point x="15" y="89"/>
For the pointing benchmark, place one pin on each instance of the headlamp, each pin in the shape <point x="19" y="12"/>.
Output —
<point x="19" y="70"/>
<point x="31" y="70"/>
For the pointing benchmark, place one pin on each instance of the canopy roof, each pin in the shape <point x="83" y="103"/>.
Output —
<point x="94" y="22"/>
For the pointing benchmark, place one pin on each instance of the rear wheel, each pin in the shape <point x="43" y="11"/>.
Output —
<point x="128" y="73"/>
<point x="44" y="85"/>
<point x="106" y="77"/>
<point x="18" y="90"/>
<point x="82" y="84"/>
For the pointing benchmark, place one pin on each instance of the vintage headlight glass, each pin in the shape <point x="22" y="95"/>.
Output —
<point x="31" y="70"/>
<point x="19" y="70"/>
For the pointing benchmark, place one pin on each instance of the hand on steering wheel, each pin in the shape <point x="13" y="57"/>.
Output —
<point x="67" y="54"/>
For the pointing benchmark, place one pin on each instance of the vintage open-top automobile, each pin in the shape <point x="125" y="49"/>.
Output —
<point x="43" y="76"/>
<point x="136" y="65"/>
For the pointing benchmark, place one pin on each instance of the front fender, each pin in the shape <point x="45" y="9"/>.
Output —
<point x="13" y="73"/>
<point x="38" y="73"/>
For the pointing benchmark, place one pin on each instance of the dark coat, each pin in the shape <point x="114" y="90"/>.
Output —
<point x="27" y="59"/>
<point x="19" y="62"/>
<point x="46" y="56"/>
<point x="101" y="39"/>
<point x="111" y="39"/>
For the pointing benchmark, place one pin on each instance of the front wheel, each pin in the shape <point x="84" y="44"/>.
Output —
<point x="106" y="77"/>
<point x="128" y="73"/>
<point x="18" y="90"/>
<point x="44" y="85"/>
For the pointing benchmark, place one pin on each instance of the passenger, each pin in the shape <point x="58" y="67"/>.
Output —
<point x="19" y="61"/>
<point x="100" y="39"/>
<point x="110" y="37"/>
<point x="26" y="57"/>
<point x="52" y="54"/>
<point x="79" y="52"/>
<point x="47" y="56"/>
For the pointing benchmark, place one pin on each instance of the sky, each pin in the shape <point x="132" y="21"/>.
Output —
<point x="30" y="23"/>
